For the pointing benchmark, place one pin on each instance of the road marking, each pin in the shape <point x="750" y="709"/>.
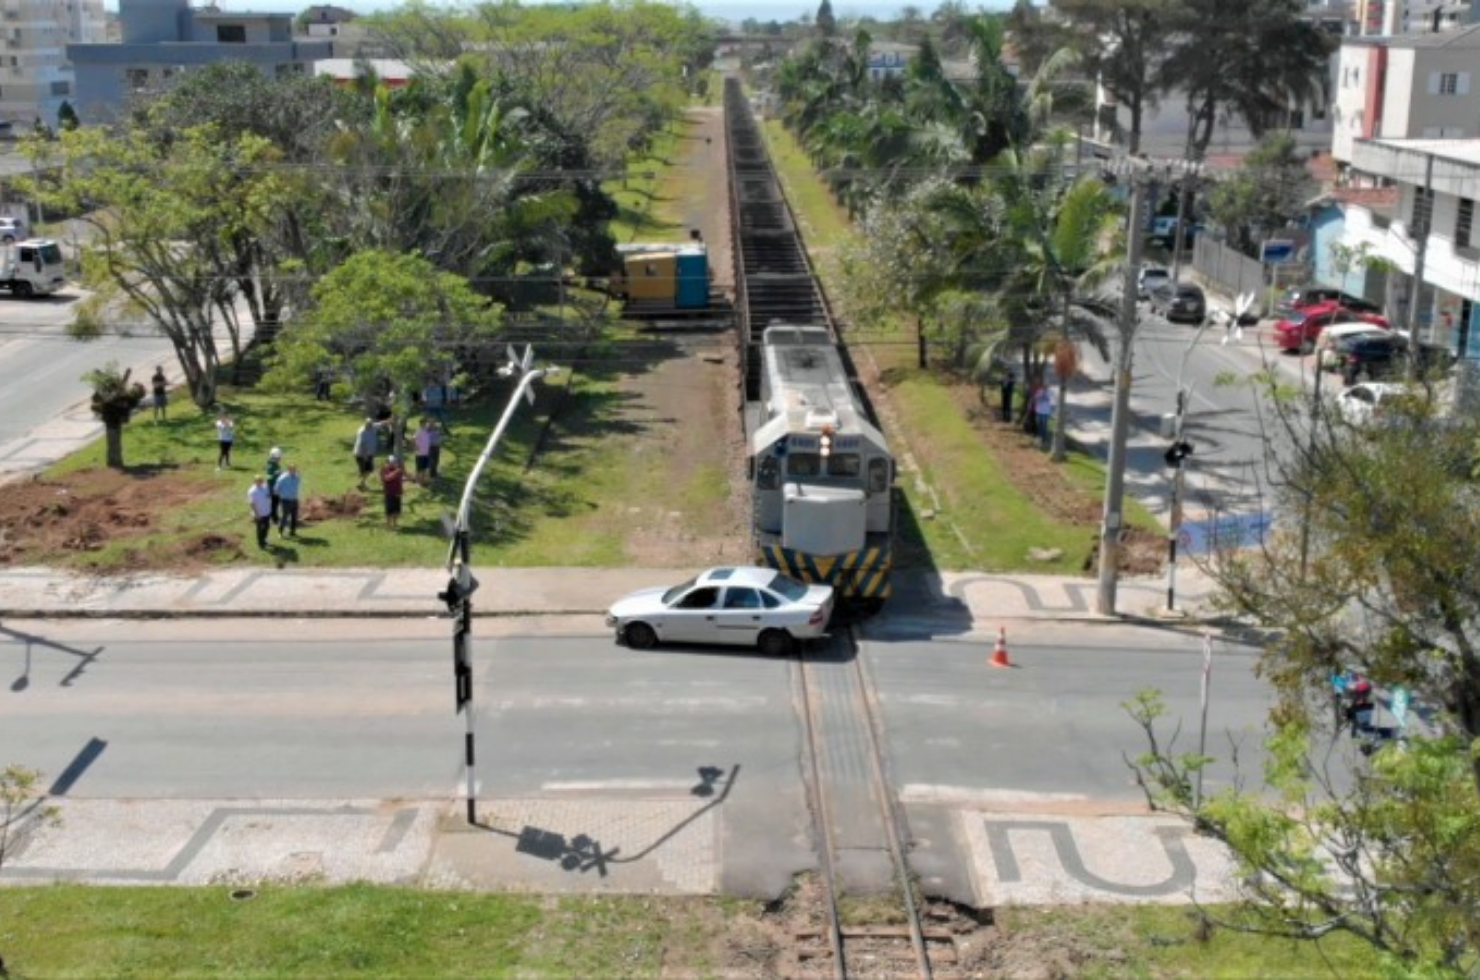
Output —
<point x="597" y="785"/>
<point x="928" y="793"/>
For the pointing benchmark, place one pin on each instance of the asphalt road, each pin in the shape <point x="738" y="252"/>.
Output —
<point x="352" y="710"/>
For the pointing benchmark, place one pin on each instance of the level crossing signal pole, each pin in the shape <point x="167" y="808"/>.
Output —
<point x="458" y="596"/>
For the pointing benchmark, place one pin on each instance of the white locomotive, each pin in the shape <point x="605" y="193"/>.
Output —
<point x="821" y="474"/>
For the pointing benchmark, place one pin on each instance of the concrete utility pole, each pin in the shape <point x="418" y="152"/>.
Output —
<point x="461" y="586"/>
<point x="1420" y="233"/>
<point x="1120" y="416"/>
<point x="1179" y="234"/>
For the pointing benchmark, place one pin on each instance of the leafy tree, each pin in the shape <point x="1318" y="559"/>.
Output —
<point x="389" y="323"/>
<point x="827" y="24"/>
<point x="1119" y="42"/>
<point x="1261" y="196"/>
<point x="1255" y="59"/>
<point x="114" y="402"/>
<point x="162" y="220"/>
<point x="1376" y="574"/>
<point x="67" y="117"/>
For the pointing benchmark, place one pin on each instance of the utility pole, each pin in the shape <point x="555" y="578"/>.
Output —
<point x="1179" y="234"/>
<point x="1424" y="219"/>
<point x="460" y="587"/>
<point x="1120" y="416"/>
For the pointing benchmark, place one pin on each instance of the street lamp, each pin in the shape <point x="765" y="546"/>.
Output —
<point x="462" y="584"/>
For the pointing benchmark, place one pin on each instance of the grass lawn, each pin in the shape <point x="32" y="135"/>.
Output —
<point x="363" y="930"/>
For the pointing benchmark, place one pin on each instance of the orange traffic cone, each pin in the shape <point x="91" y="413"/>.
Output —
<point x="999" y="652"/>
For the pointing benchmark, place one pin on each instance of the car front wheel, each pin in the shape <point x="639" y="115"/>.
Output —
<point x="640" y="636"/>
<point x="775" y="643"/>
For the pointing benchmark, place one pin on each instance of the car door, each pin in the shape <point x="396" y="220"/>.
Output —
<point x="742" y="615"/>
<point x="694" y="617"/>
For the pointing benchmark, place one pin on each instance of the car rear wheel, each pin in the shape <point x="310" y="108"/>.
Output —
<point x="23" y="290"/>
<point x="775" y="643"/>
<point x="640" y="636"/>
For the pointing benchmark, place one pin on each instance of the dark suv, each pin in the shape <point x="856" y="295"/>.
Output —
<point x="1377" y="355"/>
<point x="1182" y="301"/>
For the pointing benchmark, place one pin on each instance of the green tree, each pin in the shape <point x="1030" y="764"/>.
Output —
<point x="114" y="402"/>
<point x="1263" y="194"/>
<point x="67" y="117"/>
<point x="162" y="221"/>
<point x="1376" y="574"/>
<point x="389" y="323"/>
<point x="1258" y="60"/>
<point x="827" y="24"/>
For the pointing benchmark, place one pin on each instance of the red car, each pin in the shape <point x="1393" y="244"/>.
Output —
<point x="1300" y="328"/>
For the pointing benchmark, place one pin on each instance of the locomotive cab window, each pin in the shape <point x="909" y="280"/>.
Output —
<point x="768" y="474"/>
<point x="844" y="464"/>
<point x="878" y="475"/>
<point x="803" y="464"/>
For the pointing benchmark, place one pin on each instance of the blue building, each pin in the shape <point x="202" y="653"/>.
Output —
<point x="163" y="39"/>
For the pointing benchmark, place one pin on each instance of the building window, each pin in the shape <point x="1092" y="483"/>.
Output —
<point x="231" y="34"/>
<point x="1464" y="223"/>
<point x="1448" y="83"/>
<point x="61" y="88"/>
<point x="1423" y="210"/>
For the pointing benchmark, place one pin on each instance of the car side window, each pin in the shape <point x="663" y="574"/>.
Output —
<point x="737" y="598"/>
<point x="770" y="601"/>
<point x="700" y="599"/>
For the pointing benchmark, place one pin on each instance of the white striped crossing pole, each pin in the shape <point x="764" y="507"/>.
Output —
<point x="1202" y="731"/>
<point x="462" y="585"/>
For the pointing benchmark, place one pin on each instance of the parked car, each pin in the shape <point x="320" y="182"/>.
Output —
<point x="1361" y="403"/>
<point x="1163" y="230"/>
<point x="734" y="605"/>
<point x="1150" y="278"/>
<point x="1379" y="355"/>
<point x="1330" y="337"/>
<point x="12" y="230"/>
<point x="1180" y="302"/>
<point x="1299" y="329"/>
<point x="1300" y="297"/>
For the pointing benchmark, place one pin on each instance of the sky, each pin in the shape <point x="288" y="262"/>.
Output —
<point x="732" y="10"/>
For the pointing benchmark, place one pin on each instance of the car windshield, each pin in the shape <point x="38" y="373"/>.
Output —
<point x="788" y="587"/>
<point x="1295" y="317"/>
<point x="671" y="596"/>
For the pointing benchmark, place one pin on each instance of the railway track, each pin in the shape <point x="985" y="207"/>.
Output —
<point x="872" y="922"/>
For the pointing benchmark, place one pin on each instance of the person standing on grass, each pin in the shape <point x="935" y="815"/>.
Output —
<point x="1009" y="381"/>
<point x="161" y="394"/>
<point x="273" y="470"/>
<point x="392" y="484"/>
<point x="434" y="438"/>
<point x="286" y="492"/>
<point x="225" y="438"/>
<point x="1043" y="409"/>
<point x="259" y="499"/>
<point x="423" y="444"/>
<point x="367" y="442"/>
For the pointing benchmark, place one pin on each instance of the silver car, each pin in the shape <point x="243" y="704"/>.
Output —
<point x="745" y="606"/>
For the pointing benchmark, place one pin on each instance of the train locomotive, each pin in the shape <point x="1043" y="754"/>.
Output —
<point x="822" y="476"/>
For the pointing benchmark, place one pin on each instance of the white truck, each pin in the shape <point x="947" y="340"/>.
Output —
<point x="32" y="267"/>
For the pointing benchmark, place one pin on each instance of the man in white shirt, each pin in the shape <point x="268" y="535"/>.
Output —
<point x="259" y="499"/>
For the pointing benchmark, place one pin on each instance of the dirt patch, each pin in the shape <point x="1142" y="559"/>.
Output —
<point x="86" y="511"/>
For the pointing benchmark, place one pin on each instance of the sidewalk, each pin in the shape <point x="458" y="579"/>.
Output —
<point x="957" y="602"/>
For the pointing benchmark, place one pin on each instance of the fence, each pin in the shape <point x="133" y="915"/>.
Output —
<point x="1228" y="268"/>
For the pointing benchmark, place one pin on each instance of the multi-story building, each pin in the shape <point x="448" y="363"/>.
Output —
<point x="1377" y="18"/>
<point x="1437" y="183"/>
<point x="1417" y="86"/>
<point x="35" y="77"/>
<point x="164" y="38"/>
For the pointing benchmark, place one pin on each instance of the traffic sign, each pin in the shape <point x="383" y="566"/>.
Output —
<point x="1277" y="251"/>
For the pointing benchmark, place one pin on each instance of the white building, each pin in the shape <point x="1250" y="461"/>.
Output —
<point x="1376" y="18"/>
<point x="35" y="75"/>
<point x="1449" y="301"/>
<point x="1418" y="86"/>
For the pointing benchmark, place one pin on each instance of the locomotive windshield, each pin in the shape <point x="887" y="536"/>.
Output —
<point x="811" y="464"/>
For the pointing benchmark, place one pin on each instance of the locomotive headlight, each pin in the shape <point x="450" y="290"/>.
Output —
<point x="824" y="442"/>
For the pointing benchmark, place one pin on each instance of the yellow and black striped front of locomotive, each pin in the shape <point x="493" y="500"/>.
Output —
<point x="862" y="575"/>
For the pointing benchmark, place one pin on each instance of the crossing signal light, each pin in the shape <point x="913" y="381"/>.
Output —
<point x="1177" y="452"/>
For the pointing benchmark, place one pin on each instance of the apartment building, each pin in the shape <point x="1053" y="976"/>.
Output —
<point x="163" y="39"/>
<point x="35" y="76"/>
<point x="1377" y="18"/>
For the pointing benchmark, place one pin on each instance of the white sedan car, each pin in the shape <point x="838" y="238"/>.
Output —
<point x="738" y="605"/>
<point x="1363" y="402"/>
